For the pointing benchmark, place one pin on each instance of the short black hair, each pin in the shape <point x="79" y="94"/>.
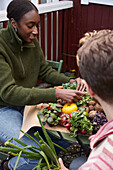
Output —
<point x="17" y="8"/>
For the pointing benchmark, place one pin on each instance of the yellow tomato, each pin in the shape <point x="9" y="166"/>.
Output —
<point x="69" y="107"/>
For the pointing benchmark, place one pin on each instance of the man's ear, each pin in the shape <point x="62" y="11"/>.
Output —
<point x="77" y="60"/>
<point x="89" y="90"/>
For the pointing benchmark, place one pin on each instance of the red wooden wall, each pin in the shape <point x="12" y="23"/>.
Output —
<point x="86" y="18"/>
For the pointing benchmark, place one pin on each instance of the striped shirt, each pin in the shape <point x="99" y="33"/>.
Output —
<point x="101" y="156"/>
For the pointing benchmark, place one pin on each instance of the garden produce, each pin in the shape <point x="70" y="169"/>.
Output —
<point x="69" y="85"/>
<point x="45" y="153"/>
<point x="79" y="122"/>
<point x="63" y="119"/>
<point x="98" y="107"/>
<point x="98" y="119"/>
<point x="85" y="116"/>
<point x="84" y="101"/>
<point x="69" y="107"/>
<point x="58" y="87"/>
<point x="92" y="105"/>
<point x="51" y="112"/>
<point x="92" y="113"/>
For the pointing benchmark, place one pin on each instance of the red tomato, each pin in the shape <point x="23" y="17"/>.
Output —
<point x="45" y="107"/>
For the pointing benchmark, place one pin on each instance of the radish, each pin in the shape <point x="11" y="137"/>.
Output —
<point x="83" y="131"/>
<point x="68" y="125"/>
<point x="70" y="115"/>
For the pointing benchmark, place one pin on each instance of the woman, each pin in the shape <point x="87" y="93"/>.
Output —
<point x="22" y="63"/>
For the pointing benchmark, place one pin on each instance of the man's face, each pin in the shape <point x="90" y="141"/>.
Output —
<point x="27" y="29"/>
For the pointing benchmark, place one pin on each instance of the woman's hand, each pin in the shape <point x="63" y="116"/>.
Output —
<point x="69" y="95"/>
<point x="62" y="165"/>
<point x="81" y="86"/>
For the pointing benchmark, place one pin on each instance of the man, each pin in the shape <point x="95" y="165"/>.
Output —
<point x="96" y="67"/>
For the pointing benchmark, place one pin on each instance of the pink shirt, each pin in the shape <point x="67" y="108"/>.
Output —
<point x="101" y="156"/>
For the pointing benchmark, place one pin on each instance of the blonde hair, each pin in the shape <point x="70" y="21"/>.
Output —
<point x="86" y="37"/>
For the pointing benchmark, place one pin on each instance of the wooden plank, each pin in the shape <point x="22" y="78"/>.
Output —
<point x="76" y="32"/>
<point x="76" y="26"/>
<point x="91" y="20"/>
<point x="42" y="24"/>
<point x="49" y="36"/>
<point x="110" y="19"/>
<point x="54" y="35"/>
<point x="97" y="17"/>
<point x="60" y="31"/>
<point x="84" y="18"/>
<point x="105" y="17"/>
<point x="38" y="33"/>
<point x="65" y="39"/>
<point x="71" y="58"/>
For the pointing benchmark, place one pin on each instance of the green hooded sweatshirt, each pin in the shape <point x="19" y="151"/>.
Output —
<point x="21" y="65"/>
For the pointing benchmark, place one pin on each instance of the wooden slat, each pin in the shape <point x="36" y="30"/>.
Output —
<point x="74" y="32"/>
<point x="71" y="58"/>
<point x="91" y="22"/>
<point x="84" y="14"/>
<point x="38" y="34"/>
<point x="98" y="17"/>
<point x="54" y="35"/>
<point x="76" y="26"/>
<point x="105" y="20"/>
<point x="110" y="23"/>
<point x="65" y="39"/>
<point x="49" y="36"/>
<point x="60" y="21"/>
<point x="42" y="23"/>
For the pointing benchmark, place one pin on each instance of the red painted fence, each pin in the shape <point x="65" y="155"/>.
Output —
<point x="61" y="41"/>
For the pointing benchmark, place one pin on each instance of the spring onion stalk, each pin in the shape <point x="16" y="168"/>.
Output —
<point x="27" y="146"/>
<point x="65" y="150"/>
<point x="7" y="149"/>
<point x="50" y="153"/>
<point x="23" y="150"/>
<point x="30" y="137"/>
<point x="44" y="153"/>
<point x="46" y="148"/>
<point x="38" y="166"/>
<point x="25" y="156"/>
<point x="45" y="157"/>
<point x="47" y="136"/>
<point x="17" y="159"/>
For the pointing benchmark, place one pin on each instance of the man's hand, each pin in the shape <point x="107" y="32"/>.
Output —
<point x="81" y="86"/>
<point x="62" y="165"/>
